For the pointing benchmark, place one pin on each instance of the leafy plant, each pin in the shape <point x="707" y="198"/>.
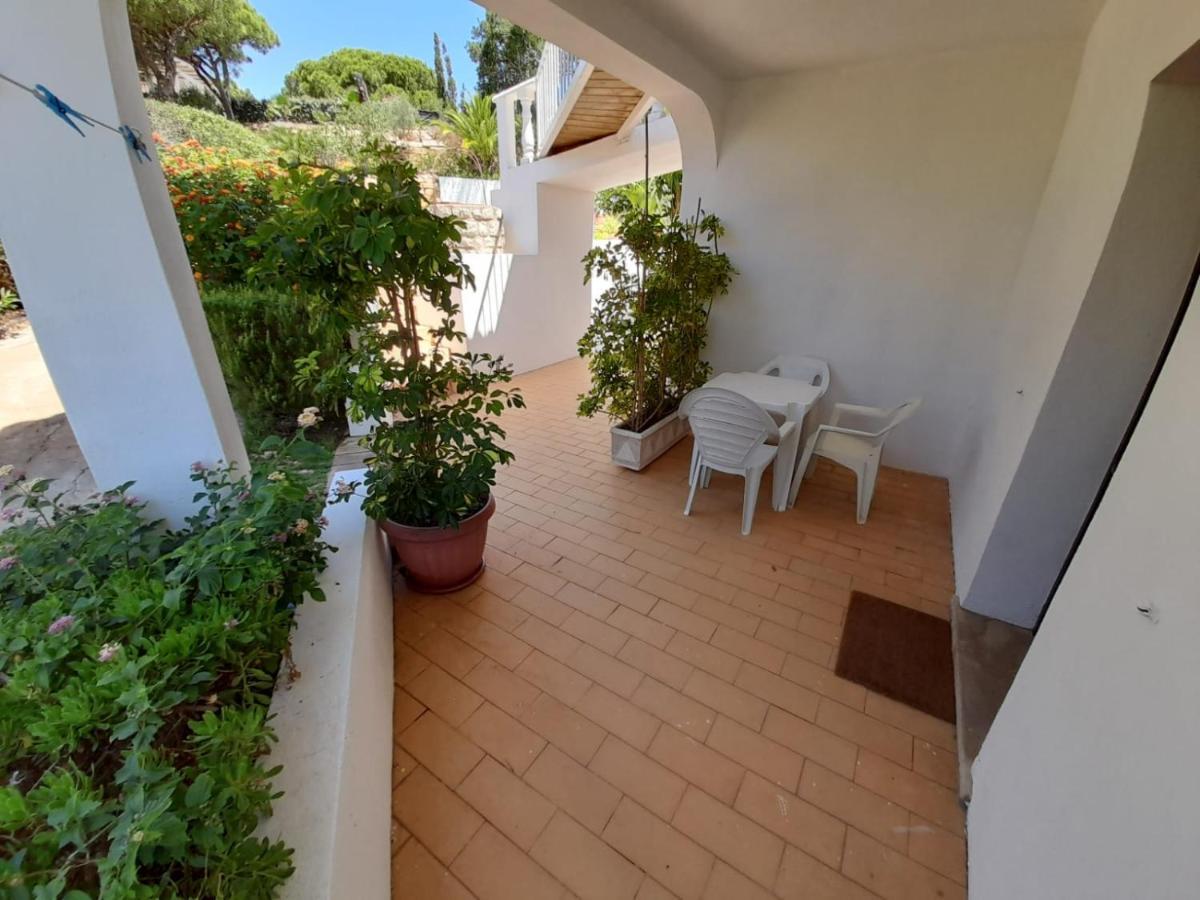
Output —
<point x="8" y="300"/>
<point x="368" y="246"/>
<point x="660" y="197"/>
<point x="259" y="335"/>
<point x="219" y="200"/>
<point x="136" y="668"/>
<point x="176" y="124"/>
<point x="476" y="128"/>
<point x="303" y="110"/>
<point x="648" y="330"/>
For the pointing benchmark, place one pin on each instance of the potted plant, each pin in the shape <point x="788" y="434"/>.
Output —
<point x="649" y="328"/>
<point x="366" y="242"/>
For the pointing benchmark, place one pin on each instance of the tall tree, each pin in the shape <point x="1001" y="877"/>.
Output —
<point x="451" y="87"/>
<point x="439" y="70"/>
<point x="220" y="49"/>
<point x="166" y="30"/>
<point x="504" y="54"/>
<point x="334" y="74"/>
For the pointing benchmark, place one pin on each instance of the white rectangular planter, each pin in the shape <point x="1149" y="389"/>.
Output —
<point x="636" y="450"/>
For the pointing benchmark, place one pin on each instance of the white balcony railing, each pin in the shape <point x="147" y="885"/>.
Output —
<point x="555" y="76"/>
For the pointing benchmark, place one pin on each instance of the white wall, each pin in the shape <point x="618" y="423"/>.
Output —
<point x="533" y="309"/>
<point x="1086" y="786"/>
<point x="877" y="214"/>
<point x="1130" y="44"/>
<point x="93" y="242"/>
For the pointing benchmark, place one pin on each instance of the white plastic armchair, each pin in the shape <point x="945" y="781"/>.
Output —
<point x="809" y="369"/>
<point x="854" y="438"/>
<point x="735" y="435"/>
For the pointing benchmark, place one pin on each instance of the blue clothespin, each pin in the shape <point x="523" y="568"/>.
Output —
<point x="60" y="108"/>
<point x="135" y="143"/>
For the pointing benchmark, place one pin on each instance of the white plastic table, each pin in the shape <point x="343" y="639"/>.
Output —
<point x="775" y="395"/>
<point x="770" y="392"/>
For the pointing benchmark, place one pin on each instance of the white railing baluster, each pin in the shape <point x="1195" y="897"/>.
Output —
<point x="556" y="71"/>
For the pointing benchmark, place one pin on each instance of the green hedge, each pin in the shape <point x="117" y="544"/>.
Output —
<point x="259" y="335"/>
<point x="176" y="124"/>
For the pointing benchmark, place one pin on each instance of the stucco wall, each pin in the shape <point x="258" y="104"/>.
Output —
<point x="1130" y="44"/>
<point x="1085" y="786"/>
<point x="877" y="215"/>
<point x="533" y="309"/>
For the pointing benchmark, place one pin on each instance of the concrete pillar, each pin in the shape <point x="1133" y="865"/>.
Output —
<point x="506" y="127"/>
<point x="102" y="269"/>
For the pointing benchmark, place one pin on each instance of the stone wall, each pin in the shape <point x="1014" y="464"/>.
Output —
<point x="481" y="231"/>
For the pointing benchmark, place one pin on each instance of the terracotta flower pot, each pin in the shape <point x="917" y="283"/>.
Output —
<point x="441" y="560"/>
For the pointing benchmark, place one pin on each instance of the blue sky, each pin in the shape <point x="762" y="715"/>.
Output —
<point x="309" y="29"/>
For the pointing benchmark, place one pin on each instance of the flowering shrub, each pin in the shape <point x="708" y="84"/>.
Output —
<point x="219" y="200"/>
<point x="136" y="668"/>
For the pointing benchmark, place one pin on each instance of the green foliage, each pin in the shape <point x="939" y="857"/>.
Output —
<point x="8" y="300"/>
<point x="218" y="200"/>
<point x="665" y="193"/>
<point x="381" y="117"/>
<point x="138" y="665"/>
<point x="198" y="98"/>
<point x="649" y="328"/>
<point x="213" y="35"/>
<point x="476" y="128"/>
<point x="352" y="239"/>
<point x="333" y="75"/>
<point x="176" y="124"/>
<point x="303" y="110"/>
<point x="259" y="337"/>
<point x="6" y="277"/>
<point x="504" y="54"/>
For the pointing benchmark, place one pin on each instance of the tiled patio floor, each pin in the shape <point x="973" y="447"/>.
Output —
<point x="631" y="703"/>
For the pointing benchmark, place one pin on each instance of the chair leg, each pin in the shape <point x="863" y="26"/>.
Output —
<point x="806" y="459"/>
<point x="753" y="480"/>
<point x="695" y="462"/>
<point x="866" y="487"/>
<point x="705" y="475"/>
<point x="687" y="507"/>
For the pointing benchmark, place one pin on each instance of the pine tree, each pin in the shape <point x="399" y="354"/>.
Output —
<point x="439" y="71"/>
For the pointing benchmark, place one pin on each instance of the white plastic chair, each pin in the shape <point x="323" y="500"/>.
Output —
<point x="809" y="369"/>
<point x="854" y="438"/>
<point x="735" y="435"/>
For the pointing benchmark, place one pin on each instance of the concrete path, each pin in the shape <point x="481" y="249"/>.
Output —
<point x="34" y="434"/>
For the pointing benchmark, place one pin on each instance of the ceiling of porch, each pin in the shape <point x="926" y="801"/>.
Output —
<point x="767" y="37"/>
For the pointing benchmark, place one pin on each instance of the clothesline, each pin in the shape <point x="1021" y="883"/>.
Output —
<point x="73" y="117"/>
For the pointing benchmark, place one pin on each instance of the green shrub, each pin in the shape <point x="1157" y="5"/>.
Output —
<point x="392" y="115"/>
<point x="259" y="335"/>
<point x="198" y="98"/>
<point x="138" y="665"/>
<point x="330" y="144"/>
<point x="176" y="124"/>
<point x="303" y="110"/>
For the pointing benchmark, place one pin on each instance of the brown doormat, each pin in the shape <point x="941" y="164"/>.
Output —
<point x="900" y="653"/>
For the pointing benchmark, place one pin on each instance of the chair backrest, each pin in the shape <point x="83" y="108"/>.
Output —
<point x="895" y="416"/>
<point x="802" y="368"/>
<point x="727" y="426"/>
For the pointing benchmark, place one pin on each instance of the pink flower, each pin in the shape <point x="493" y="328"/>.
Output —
<point x="198" y="467"/>
<point x="132" y="501"/>
<point x="7" y="515"/>
<point x="323" y="522"/>
<point x="280" y="537"/>
<point x="108" y="651"/>
<point x="231" y="624"/>
<point x="8" y="562"/>
<point x="61" y="624"/>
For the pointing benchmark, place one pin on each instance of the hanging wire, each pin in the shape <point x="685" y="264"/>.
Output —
<point x="70" y="115"/>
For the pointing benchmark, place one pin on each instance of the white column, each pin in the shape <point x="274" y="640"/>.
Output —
<point x="93" y="243"/>
<point x="527" y="138"/>
<point x="506" y="127"/>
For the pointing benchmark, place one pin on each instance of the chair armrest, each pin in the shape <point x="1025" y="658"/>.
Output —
<point x="862" y="412"/>
<point x="841" y="429"/>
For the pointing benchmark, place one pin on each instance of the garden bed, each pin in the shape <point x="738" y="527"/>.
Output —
<point x="137" y="665"/>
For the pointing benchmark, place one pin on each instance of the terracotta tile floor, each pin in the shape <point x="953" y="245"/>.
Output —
<point x="631" y="703"/>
